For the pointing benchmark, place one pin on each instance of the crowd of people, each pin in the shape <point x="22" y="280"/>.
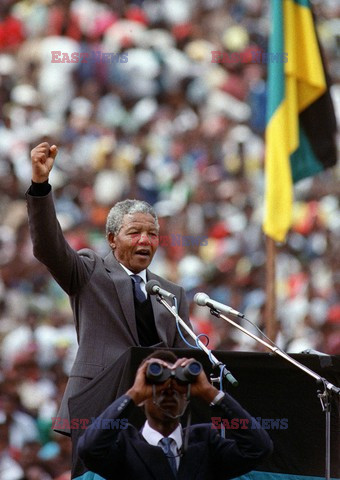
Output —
<point x="142" y="111"/>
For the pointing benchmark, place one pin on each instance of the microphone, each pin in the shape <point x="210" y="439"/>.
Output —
<point x="153" y="287"/>
<point x="203" y="300"/>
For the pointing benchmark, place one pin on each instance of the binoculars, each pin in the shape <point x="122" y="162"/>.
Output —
<point x="157" y="374"/>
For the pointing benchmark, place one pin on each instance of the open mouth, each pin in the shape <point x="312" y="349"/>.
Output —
<point x="143" y="253"/>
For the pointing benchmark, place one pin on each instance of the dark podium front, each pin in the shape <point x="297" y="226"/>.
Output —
<point x="283" y="397"/>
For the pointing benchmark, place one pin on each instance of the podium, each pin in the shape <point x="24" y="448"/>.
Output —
<point x="281" y="396"/>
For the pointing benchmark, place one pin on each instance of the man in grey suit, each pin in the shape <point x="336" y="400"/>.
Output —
<point x="111" y="309"/>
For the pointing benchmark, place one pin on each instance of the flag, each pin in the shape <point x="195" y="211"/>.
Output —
<point x="301" y="125"/>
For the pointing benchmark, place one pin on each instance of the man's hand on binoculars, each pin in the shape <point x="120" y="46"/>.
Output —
<point x="201" y="388"/>
<point x="142" y="390"/>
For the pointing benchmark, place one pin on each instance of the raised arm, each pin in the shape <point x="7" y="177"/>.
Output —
<point x="69" y="269"/>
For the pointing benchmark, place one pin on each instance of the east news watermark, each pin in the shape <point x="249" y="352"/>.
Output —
<point x="94" y="57"/>
<point x="84" y="423"/>
<point x="218" y="423"/>
<point x="256" y="57"/>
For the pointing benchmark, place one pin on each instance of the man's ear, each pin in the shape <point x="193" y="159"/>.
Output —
<point x="111" y="239"/>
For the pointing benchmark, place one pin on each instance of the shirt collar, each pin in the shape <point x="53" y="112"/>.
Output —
<point x="153" y="437"/>
<point x="142" y="274"/>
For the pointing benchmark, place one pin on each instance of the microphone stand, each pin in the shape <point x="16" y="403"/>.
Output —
<point x="225" y="372"/>
<point x="324" y="396"/>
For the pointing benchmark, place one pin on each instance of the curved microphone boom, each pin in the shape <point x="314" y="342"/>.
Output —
<point x="203" y="300"/>
<point x="153" y="287"/>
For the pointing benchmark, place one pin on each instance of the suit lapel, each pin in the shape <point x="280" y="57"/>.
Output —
<point x="123" y="286"/>
<point x="190" y="463"/>
<point x="165" y="322"/>
<point x="153" y="458"/>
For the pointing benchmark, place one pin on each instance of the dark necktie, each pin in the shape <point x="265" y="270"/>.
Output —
<point x="165" y="445"/>
<point x="139" y="294"/>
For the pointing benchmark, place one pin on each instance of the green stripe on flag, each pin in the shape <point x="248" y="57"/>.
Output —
<point x="303" y="161"/>
<point x="302" y="3"/>
<point x="276" y="86"/>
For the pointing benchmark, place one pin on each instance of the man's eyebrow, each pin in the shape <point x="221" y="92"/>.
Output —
<point x="133" y="225"/>
<point x="141" y="225"/>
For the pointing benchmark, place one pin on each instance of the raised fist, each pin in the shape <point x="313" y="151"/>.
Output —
<point x="42" y="161"/>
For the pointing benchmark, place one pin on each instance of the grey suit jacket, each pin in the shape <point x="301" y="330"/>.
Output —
<point x="101" y="298"/>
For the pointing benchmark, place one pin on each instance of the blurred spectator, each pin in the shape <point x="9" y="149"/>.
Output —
<point x="21" y="426"/>
<point x="330" y="341"/>
<point x="9" y="468"/>
<point x="63" y="21"/>
<point x="11" y="28"/>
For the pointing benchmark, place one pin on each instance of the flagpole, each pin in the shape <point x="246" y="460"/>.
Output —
<point x="270" y="306"/>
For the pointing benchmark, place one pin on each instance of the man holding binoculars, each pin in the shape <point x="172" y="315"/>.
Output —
<point x="161" y="449"/>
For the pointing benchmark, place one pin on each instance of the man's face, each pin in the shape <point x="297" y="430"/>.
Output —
<point x="170" y="403"/>
<point x="136" y="243"/>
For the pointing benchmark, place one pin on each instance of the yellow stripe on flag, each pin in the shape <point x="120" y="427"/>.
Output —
<point x="304" y="62"/>
<point x="279" y="189"/>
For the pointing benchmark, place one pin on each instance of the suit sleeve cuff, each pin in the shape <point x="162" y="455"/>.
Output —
<point x="39" y="189"/>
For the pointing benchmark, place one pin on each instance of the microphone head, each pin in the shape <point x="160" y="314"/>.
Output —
<point x="150" y="285"/>
<point x="201" y="299"/>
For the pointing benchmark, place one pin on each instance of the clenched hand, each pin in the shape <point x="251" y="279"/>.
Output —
<point x="42" y="157"/>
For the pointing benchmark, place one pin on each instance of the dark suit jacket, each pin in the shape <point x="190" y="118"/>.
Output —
<point x="101" y="298"/>
<point x="123" y="454"/>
